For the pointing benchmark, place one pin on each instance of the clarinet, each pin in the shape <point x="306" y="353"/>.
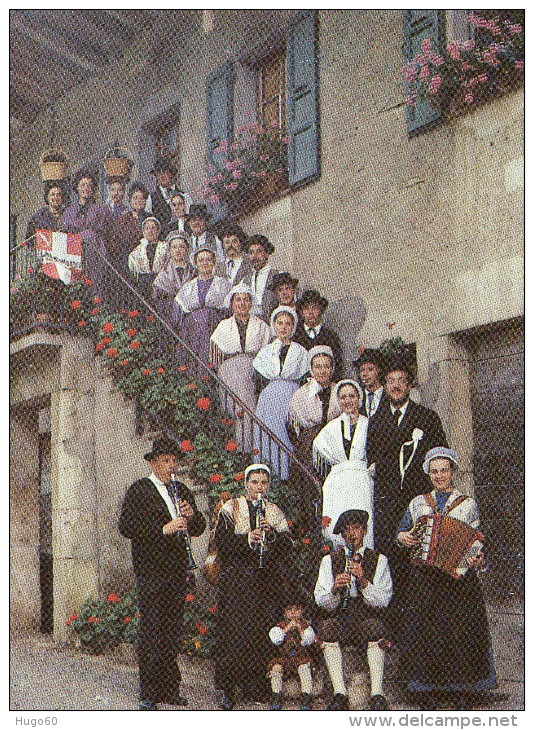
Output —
<point x="346" y="594"/>
<point x="191" y="565"/>
<point x="259" y="514"/>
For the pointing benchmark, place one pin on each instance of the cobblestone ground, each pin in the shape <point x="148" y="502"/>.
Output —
<point x="51" y="677"/>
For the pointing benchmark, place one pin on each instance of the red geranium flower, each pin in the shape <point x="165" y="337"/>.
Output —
<point x="76" y="304"/>
<point x="215" y="478"/>
<point x="96" y="310"/>
<point x="160" y="371"/>
<point x="137" y="615"/>
<point x="30" y="270"/>
<point x="131" y="332"/>
<point x="306" y="541"/>
<point x="124" y="362"/>
<point x="88" y="282"/>
<point x="106" y="340"/>
<point x="189" y="598"/>
<point x="108" y="327"/>
<point x="97" y="300"/>
<point x="146" y="371"/>
<point x="98" y="620"/>
<point x="150" y="318"/>
<point x="192" y="386"/>
<point x="201" y="628"/>
<point x="213" y="609"/>
<point x="204" y="404"/>
<point x="182" y="368"/>
<point x="231" y="445"/>
<point x="186" y="445"/>
<point x="135" y="345"/>
<point x="239" y="477"/>
<point x="326" y="521"/>
<point x="81" y="324"/>
<point x="326" y="549"/>
<point x="289" y="523"/>
<point x="255" y="451"/>
<point x="239" y="414"/>
<point x="113" y="598"/>
<point x="127" y="619"/>
<point x="99" y="346"/>
<point x="91" y="620"/>
<point x="112" y="352"/>
<point x="133" y="314"/>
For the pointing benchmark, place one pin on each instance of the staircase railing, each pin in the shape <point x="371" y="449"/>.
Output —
<point x="268" y="446"/>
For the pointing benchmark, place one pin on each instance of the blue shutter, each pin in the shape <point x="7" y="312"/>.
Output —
<point x="303" y="99"/>
<point x="220" y="109"/>
<point x="418" y="25"/>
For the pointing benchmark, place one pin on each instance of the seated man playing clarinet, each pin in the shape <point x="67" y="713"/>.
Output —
<point x="354" y="583"/>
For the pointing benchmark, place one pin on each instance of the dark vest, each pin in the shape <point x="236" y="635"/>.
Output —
<point x="369" y="562"/>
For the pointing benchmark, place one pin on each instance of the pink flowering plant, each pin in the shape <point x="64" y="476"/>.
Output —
<point x="469" y="72"/>
<point x="256" y="153"/>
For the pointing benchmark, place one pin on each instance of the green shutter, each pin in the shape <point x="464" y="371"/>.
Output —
<point x="220" y="108"/>
<point x="418" y="25"/>
<point x="303" y="98"/>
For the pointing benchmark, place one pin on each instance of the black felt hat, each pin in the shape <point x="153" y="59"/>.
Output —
<point x="164" y="446"/>
<point x="259" y="240"/>
<point x="311" y="296"/>
<point x="163" y="165"/>
<point x="372" y="356"/>
<point x="350" y="517"/>
<point x="283" y="278"/>
<point x="232" y="229"/>
<point x="399" y="363"/>
<point x="198" y="210"/>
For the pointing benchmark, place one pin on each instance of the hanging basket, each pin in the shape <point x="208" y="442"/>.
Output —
<point x="117" y="164"/>
<point x="54" y="168"/>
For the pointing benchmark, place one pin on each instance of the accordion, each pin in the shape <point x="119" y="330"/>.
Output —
<point x="445" y="543"/>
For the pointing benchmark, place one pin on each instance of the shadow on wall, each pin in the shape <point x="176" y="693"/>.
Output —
<point x="347" y="316"/>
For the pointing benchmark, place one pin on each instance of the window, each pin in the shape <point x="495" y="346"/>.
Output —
<point x="272" y="92"/>
<point x="167" y="143"/>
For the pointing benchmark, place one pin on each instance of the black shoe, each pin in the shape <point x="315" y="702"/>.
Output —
<point x="177" y="700"/>
<point x="339" y="702"/>
<point x="276" y="702"/>
<point x="147" y="705"/>
<point x="378" y="702"/>
<point x="227" y="702"/>
<point x="306" y="702"/>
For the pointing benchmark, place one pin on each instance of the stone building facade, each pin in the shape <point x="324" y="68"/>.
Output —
<point x="416" y="235"/>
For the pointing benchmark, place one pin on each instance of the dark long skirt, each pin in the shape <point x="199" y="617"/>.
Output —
<point x="447" y="644"/>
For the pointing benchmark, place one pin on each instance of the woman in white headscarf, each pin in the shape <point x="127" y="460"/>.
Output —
<point x="283" y="363"/>
<point x="233" y="346"/>
<point x="340" y="447"/>
<point x="312" y="406"/>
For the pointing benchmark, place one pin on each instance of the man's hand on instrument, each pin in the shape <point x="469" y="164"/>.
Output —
<point x="341" y="581"/>
<point x="355" y="569"/>
<point x="186" y="509"/>
<point x="255" y="536"/>
<point x="408" y="539"/>
<point x="264" y="524"/>
<point x="477" y="562"/>
<point x="179" y="524"/>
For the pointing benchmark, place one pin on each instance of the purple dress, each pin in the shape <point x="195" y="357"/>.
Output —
<point x="95" y="224"/>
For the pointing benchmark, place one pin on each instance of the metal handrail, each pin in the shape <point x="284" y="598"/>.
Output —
<point x="212" y="375"/>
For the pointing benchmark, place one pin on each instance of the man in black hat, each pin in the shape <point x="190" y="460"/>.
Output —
<point x="370" y="366"/>
<point x="159" y="202"/>
<point x="354" y="585"/>
<point x="196" y="224"/>
<point x="311" y="331"/>
<point x="236" y="265"/>
<point x="156" y="514"/>
<point x="285" y="287"/>
<point x="259" y="250"/>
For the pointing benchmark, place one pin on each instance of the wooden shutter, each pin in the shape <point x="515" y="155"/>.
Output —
<point x="418" y="25"/>
<point x="220" y="109"/>
<point x="303" y="99"/>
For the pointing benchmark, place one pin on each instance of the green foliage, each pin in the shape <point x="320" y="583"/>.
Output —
<point x="101" y="624"/>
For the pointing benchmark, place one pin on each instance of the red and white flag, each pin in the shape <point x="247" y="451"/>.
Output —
<point x="61" y="255"/>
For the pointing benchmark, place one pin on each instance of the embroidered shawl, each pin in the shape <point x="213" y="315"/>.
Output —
<point x="225" y="340"/>
<point x="306" y="408"/>
<point x="328" y="448"/>
<point x="267" y="361"/>
<point x="188" y="300"/>
<point x="138" y="259"/>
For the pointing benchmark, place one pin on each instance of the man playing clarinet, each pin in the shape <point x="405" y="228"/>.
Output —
<point x="158" y="513"/>
<point x="354" y="584"/>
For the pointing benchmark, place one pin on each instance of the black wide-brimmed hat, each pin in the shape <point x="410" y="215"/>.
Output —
<point x="164" y="446"/>
<point x="225" y="230"/>
<point x="350" y="517"/>
<point x="399" y="363"/>
<point x="198" y="210"/>
<point x="372" y="356"/>
<point x="163" y="165"/>
<point x="311" y="296"/>
<point x="259" y="240"/>
<point x="283" y="277"/>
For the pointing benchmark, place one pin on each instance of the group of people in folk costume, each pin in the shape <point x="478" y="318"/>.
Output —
<point x="374" y="448"/>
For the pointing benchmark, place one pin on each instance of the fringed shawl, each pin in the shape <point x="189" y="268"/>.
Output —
<point x="225" y="340"/>
<point x="328" y="448"/>
<point x="273" y="514"/>
<point x="172" y="278"/>
<point x="306" y="408"/>
<point x="188" y="299"/>
<point x="138" y="260"/>
<point x="267" y="361"/>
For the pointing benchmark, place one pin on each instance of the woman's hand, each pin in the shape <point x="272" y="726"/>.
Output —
<point x="407" y="539"/>
<point x="477" y="562"/>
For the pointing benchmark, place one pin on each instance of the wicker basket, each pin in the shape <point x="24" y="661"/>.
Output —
<point x="117" y="166"/>
<point x="53" y="170"/>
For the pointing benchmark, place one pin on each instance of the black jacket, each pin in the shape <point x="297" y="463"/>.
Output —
<point x="325" y="337"/>
<point x="155" y="556"/>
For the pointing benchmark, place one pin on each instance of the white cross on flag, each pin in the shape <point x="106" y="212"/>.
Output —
<point x="61" y="255"/>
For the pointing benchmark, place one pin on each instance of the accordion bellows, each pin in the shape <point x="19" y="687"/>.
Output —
<point x="446" y="543"/>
